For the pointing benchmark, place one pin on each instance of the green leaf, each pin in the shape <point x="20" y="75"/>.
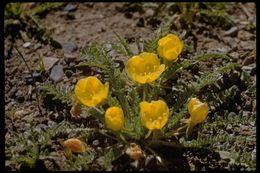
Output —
<point x="123" y="43"/>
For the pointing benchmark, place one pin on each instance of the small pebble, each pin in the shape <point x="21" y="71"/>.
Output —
<point x="49" y="62"/>
<point x="68" y="58"/>
<point x="69" y="47"/>
<point x="57" y="73"/>
<point x="70" y="7"/>
<point x="235" y="55"/>
<point x="149" y="13"/>
<point x="248" y="45"/>
<point x="231" y="32"/>
<point x="12" y="92"/>
<point x="19" y="96"/>
<point x="26" y="45"/>
<point x="246" y="113"/>
<point x="244" y="35"/>
<point x="248" y="60"/>
<point x="95" y="142"/>
<point x="29" y="80"/>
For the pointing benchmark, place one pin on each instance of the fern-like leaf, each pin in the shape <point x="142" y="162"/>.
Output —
<point x="58" y="93"/>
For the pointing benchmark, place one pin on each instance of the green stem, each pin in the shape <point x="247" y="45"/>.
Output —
<point x="172" y="133"/>
<point x="124" y="103"/>
<point x="123" y="138"/>
<point x="144" y="92"/>
<point x="148" y="134"/>
<point x="97" y="109"/>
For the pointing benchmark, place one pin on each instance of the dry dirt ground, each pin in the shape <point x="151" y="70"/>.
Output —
<point x="85" y="23"/>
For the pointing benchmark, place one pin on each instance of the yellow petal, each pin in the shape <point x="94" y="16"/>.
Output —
<point x="144" y="68"/>
<point x="150" y="58"/>
<point x="75" y="145"/>
<point x="90" y="91"/>
<point x="171" y="55"/>
<point x="154" y="115"/>
<point x="192" y="103"/>
<point x="160" y="51"/>
<point x="155" y="75"/>
<point x="173" y="37"/>
<point x="169" y="47"/>
<point x="140" y="78"/>
<point x="199" y="113"/>
<point x="114" y="118"/>
<point x="164" y="40"/>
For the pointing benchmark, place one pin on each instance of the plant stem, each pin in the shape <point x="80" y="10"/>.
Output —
<point x="144" y="92"/>
<point x="169" y="134"/>
<point x="97" y="109"/>
<point x="148" y="134"/>
<point x="34" y="82"/>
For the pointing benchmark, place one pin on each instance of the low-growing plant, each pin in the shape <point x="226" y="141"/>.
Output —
<point x="139" y="104"/>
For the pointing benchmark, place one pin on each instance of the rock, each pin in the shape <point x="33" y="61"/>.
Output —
<point x="214" y="46"/>
<point x="95" y="142"/>
<point x="246" y="113"/>
<point x="248" y="45"/>
<point x="12" y="92"/>
<point x="27" y="44"/>
<point x="70" y="7"/>
<point x="57" y="73"/>
<point x="69" y="47"/>
<point x="149" y="13"/>
<point x="133" y="47"/>
<point x="37" y="46"/>
<point x="49" y="62"/>
<point x="248" y="60"/>
<point x="227" y="40"/>
<point x="251" y="69"/>
<point x="29" y="80"/>
<point x="244" y="35"/>
<point x="19" y="113"/>
<point x="231" y="32"/>
<point x="235" y="55"/>
<point x="68" y="58"/>
<point x="19" y="96"/>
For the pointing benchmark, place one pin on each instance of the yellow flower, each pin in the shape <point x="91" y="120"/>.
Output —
<point x="169" y="47"/>
<point x="75" y="145"/>
<point x="198" y="111"/>
<point x="154" y="115"/>
<point x="144" y="68"/>
<point x="90" y="91"/>
<point x="114" y="118"/>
